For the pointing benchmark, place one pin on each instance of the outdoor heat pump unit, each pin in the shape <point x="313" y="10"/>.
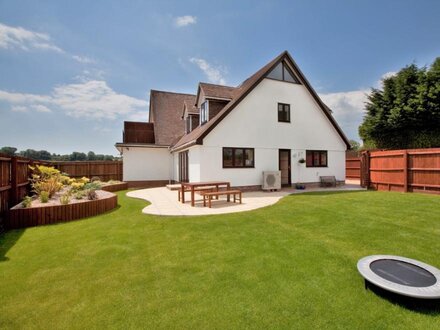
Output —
<point x="271" y="180"/>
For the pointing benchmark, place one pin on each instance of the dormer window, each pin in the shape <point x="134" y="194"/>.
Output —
<point x="188" y="124"/>
<point x="204" y="112"/>
<point x="283" y="72"/>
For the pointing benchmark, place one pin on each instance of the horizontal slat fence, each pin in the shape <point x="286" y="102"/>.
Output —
<point x="15" y="174"/>
<point x="409" y="170"/>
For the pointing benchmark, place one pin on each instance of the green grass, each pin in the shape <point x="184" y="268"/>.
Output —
<point x="290" y="265"/>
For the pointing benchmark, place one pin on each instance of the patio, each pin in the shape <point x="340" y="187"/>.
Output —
<point x="164" y="201"/>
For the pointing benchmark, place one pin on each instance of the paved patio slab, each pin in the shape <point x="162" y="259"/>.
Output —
<point x="164" y="201"/>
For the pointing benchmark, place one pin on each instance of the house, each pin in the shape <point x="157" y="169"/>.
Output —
<point x="274" y="120"/>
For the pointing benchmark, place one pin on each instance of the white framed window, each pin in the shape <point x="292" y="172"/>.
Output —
<point x="204" y="112"/>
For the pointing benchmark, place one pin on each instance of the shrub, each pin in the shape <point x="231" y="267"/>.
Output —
<point x="113" y="181"/>
<point x="93" y="185"/>
<point x="27" y="202"/>
<point x="92" y="195"/>
<point x="77" y="185"/>
<point x="80" y="194"/>
<point x="45" y="178"/>
<point x="95" y="178"/>
<point x="65" y="199"/>
<point x="44" y="196"/>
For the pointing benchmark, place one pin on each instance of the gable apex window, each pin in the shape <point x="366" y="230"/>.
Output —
<point x="283" y="113"/>
<point x="316" y="158"/>
<point x="282" y="72"/>
<point x="204" y="112"/>
<point x="238" y="157"/>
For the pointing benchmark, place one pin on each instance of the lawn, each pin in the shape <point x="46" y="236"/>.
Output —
<point x="290" y="265"/>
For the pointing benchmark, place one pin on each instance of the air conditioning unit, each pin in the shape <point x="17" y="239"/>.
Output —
<point x="271" y="180"/>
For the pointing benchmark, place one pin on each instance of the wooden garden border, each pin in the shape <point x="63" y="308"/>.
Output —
<point x="38" y="216"/>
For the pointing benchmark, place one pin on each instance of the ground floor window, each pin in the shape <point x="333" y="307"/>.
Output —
<point x="238" y="157"/>
<point x="316" y="158"/>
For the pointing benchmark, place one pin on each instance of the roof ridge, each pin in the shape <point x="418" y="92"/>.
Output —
<point x="159" y="91"/>
<point x="226" y="86"/>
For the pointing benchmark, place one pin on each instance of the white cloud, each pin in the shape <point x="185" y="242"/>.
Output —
<point x="20" y="38"/>
<point x="348" y="109"/>
<point x="185" y="20"/>
<point x="41" y="108"/>
<point x="214" y="74"/>
<point x="92" y="99"/>
<point x="83" y="59"/>
<point x="19" y="108"/>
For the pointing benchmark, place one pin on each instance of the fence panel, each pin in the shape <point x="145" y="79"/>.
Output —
<point x="415" y="170"/>
<point x="353" y="168"/>
<point x="105" y="170"/>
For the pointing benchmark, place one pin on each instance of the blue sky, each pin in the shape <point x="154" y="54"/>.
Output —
<point x="72" y="71"/>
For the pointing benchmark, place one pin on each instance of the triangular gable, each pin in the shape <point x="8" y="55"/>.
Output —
<point x="197" y="135"/>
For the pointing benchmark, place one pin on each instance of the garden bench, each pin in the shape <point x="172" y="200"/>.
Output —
<point x="328" y="181"/>
<point x="209" y="195"/>
<point x="199" y="190"/>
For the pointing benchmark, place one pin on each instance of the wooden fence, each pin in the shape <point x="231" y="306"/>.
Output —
<point x="353" y="168"/>
<point x="15" y="173"/>
<point x="105" y="170"/>
<point x="410" y="170"/>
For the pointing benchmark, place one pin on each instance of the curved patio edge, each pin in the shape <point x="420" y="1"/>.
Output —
<point x="164" y="201"/>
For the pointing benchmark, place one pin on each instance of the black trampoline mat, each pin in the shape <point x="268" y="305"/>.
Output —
<point x="403" y="273"/>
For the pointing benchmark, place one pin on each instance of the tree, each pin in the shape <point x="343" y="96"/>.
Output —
<point x="10" y="151"/>
<point x="355" y="146"/>
<point x="91" y="155"/>
<point x="78" y="156"/>
<point x="405" y="113"/>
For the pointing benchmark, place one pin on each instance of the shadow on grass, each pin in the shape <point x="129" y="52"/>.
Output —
<point x="8" y="240"/>
<point x="423" y="306"/>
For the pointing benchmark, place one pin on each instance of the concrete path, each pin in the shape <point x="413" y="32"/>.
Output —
<point x="164" y="201"/>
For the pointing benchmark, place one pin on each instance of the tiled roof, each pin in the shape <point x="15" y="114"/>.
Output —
<point x="190" y="105"/>
<point x="218" y="91"/>
<point x="165" y="113"/>
<point x="240" y="92"/>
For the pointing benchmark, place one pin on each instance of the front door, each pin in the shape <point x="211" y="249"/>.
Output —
<point x="183" y="166"/>
<point x="284" y="166"/>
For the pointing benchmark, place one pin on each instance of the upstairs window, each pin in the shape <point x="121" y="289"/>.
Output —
<point x="238" y="157"/>
<point x="316" y="158"/>
<point x="188" y="124"/>
<point x="284" y="113"/>
<point x="204" y="112"/>
<point x="283" y="72"/>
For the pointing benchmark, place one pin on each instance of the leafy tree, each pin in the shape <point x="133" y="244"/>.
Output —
<point x="406" y="112"/>
<point x="91" y="155"/>
<point x="78" y="156"/>
<point x="355" y="146"/>
<point x="10" y="151"/>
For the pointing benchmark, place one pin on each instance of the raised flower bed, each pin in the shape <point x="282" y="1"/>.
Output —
<point x="58" y="198"/>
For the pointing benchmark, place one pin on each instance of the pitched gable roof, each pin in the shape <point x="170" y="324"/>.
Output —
<point x="197" y="135"/>
<point x="217" y="91"/>
<point x="165" y="113"/>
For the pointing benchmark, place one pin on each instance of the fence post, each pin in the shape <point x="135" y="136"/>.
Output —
<point x="365" y="169"/>
<point x="14" y="183"/>
<point x="405" y="170"/>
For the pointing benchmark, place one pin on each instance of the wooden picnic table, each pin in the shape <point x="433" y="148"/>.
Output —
<point x="193" y="185"/>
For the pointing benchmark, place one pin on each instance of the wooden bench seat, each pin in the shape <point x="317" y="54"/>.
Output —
<point x="328" y="181"/>
<point x="199" y="190"/>
<point x="209" y="195"/>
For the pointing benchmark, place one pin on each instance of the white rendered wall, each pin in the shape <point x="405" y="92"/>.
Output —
<point x="144" y="164"/>
<point x="254" y="123"/>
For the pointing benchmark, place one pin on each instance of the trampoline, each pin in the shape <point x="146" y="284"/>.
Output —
<point x="401" y="275"/>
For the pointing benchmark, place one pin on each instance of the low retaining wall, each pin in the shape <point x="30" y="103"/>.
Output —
<point x="38" y="216"/>
<point x="116" y="187"/>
